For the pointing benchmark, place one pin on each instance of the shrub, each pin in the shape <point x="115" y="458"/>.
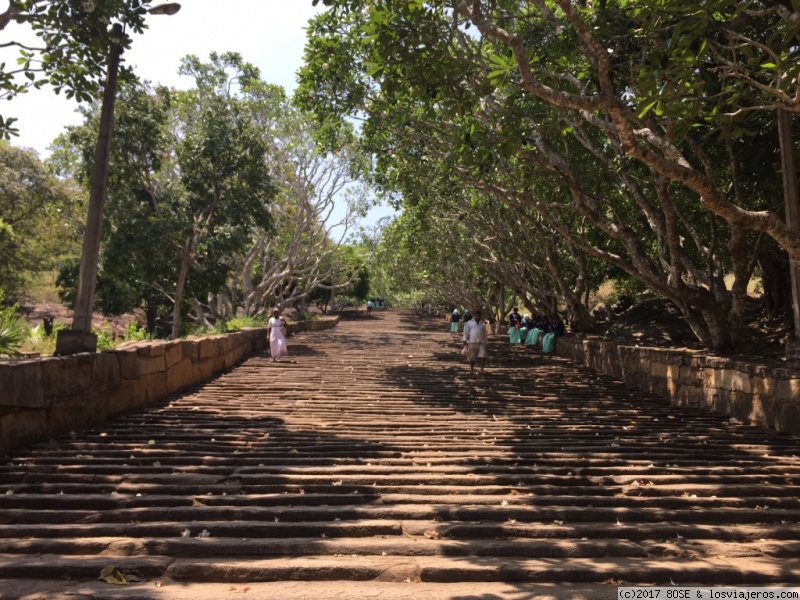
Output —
<point x="105" y="339"/>
<point x="134" y="333"/>
<point x="238" y="323"/>
<point x="13" y="330"/>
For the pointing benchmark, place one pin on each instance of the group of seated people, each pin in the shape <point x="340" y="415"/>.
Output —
<point x="524" y="329"/>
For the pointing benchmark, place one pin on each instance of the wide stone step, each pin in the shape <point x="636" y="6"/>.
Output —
<point x="762" y="571"/>
<point x="427" y="543"/>
<point x="148" y="509"/>
<point x="241" y="528"/>
<point x="166" y="589"/>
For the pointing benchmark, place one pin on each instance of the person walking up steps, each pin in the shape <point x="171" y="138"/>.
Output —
<point x="277" y="331"/>
<point x="475" y="339"/>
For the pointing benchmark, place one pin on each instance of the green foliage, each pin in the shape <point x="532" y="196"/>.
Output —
<point x="187" y="185"/>
<point x="415" y="299"/>
<point x="39" y="218"/>
<point x="564" y="143"/>
<point x="106" y="340"/>
<point x="243" y="321"/>
<point x="38" y="342"/>
<point x="625" y="286"/>
<point x="13" y="328"/>
<point x="74" y="38"/>
<point x="135" y="333"/>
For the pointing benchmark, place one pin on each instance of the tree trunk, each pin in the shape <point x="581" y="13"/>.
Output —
<point x="776" y="281"/>
<point x="580" y="319"/>
<point x="719" y="329"/>
<point x="150" y="315"/>
<point x="179" y="289"/>
<point x="791" y="196"/>
<point x="301" y="308"/>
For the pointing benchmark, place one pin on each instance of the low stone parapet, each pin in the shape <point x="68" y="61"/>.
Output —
<point x="761" y="394"/>
<point x="40" y="398"/>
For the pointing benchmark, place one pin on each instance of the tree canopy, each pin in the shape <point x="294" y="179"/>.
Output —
<point x="71" y="51"/>
<point x="571" y="139"/>
<point x="38" y="219"/>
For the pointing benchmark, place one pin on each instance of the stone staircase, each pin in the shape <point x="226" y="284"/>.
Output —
<point x="372" y="465"/>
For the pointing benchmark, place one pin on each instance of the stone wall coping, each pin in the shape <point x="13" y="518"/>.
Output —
<point x="752" y="365"/>
<point x="760" y="391"/>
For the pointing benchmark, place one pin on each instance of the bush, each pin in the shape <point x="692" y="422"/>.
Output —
<point x="105" y="339"/>
<point x="238" y="323"/>
<point x="134" y="333"/>
<point x="37" y="342"/>
<point x="13" y="329"/>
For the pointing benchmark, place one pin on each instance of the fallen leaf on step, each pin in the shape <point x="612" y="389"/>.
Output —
<point x="110" y="575"/>
<point x="432" y="535"/>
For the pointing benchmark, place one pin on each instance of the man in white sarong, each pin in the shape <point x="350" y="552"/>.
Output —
<point x="277" y="331"/>
<point x="475" y="339"/>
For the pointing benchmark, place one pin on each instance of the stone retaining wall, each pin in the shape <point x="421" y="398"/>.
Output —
<point x="45" y="397"/>
<point x="764" y="395"/>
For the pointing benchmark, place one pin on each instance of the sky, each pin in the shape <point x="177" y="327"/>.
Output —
<point x="268" y="33"/>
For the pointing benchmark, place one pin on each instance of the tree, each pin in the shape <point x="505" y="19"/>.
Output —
<point x="222" y="156"/>
<point x="72" y="47"/>
<point x="38" y="219"/>
<point x="318" y="203"/>
<point x="187" y="185"/>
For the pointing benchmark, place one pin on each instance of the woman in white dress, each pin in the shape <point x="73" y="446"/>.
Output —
<point x="277" y="331"/>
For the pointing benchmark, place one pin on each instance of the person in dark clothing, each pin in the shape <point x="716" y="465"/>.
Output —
<point x="455" y="318"/>
<point x="557" y="326"/>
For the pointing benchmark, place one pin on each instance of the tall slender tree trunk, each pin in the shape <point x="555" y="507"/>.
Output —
<point x="180" y="287"/>
<point x="791" y="196"/>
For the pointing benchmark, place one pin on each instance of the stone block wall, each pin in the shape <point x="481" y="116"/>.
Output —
<point x="45" y="397"/>
<point x="761" y="394"/>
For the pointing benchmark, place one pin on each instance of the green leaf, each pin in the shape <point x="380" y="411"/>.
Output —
<point x="647" y="108"/>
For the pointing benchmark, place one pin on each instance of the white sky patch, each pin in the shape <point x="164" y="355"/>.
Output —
<point x="268" y="33"/>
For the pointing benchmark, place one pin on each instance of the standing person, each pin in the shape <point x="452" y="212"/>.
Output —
<point x="475" y="339"/>
<point x="467" y="317"/>
<point x="369" y="306"/>
<point x="277" y="331"/>
<point x="455" y="319"/>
